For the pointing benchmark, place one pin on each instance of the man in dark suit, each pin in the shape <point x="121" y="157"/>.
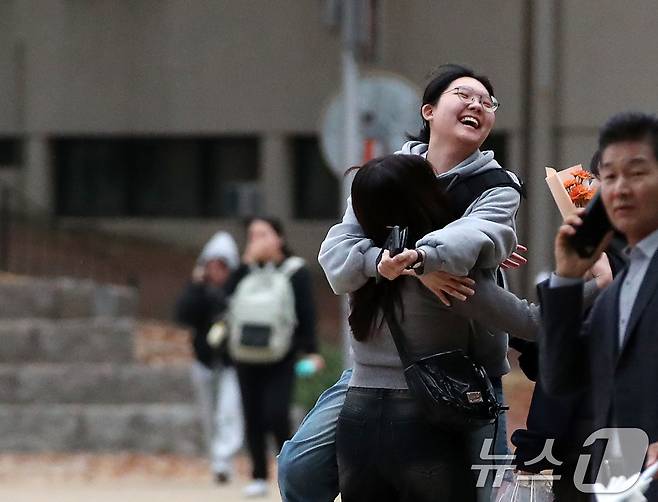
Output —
<point x="613" y="354"/>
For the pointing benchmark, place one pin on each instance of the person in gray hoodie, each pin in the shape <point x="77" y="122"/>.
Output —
<point x="458" y="113"/>
<point x="200" y="305"/>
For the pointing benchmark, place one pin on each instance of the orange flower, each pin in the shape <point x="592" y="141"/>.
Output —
<point x="581" y="195"/>
<point x="577" y="191"/>
<point x="582" y="174"/>
<point x="579" y="187"/>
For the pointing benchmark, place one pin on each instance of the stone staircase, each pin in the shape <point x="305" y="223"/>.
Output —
<point x="69" y="379"/>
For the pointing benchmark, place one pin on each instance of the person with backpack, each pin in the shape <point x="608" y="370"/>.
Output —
<point x="202" y="304"/>
<point x="271" y="322"/>
<point x="458" y="112"/>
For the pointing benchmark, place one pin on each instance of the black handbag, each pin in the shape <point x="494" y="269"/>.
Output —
<point x="454" y="391"/>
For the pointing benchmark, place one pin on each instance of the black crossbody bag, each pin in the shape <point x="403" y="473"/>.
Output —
<point x="454" y="391"/>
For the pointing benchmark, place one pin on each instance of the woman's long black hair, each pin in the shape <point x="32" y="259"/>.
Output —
<point x="392" y="190"/>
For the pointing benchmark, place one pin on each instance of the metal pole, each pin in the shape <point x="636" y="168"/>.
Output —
<point x="5" y="222"/>
<point x="541" y="208"/>
<point x="350" y="72"/>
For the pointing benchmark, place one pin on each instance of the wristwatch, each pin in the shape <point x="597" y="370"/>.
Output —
<point x="419" y="265"/>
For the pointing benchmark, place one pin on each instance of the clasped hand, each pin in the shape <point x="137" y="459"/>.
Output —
<point x="393" y="267"/>
<point x="442" y="284"/>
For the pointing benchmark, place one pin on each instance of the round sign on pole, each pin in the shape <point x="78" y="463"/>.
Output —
<point x="388" y="108"/>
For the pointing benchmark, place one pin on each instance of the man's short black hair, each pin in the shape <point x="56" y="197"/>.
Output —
<point x="594" y="163"/>
<point x="630" y="126"/>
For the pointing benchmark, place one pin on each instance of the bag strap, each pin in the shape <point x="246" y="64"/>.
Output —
<point x="398" y="337"/>
<point x="291" y="265"/>
<point x="463" y="190"/>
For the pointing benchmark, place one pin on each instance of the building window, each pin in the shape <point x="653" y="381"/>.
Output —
<point x="156" y="177"/>
<point x="316" y="187"/>
<point x="231" y="178"/>
<point x="10" y="152"/>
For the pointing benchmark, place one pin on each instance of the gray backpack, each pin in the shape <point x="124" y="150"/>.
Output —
<point x="262" y="315"/>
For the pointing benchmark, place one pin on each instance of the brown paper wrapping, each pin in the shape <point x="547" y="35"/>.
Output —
<point x="555" y="181"/>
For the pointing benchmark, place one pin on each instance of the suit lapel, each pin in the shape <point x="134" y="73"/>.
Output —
<point x="644" y="295"/>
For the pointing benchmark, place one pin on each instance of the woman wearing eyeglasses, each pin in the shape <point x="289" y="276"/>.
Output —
<point x="458" y="112"/>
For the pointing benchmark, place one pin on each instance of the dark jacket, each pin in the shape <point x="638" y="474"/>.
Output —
<point x="584" y="356"/>
<point x="198" y="307"/>
<point x="567" y="419"/>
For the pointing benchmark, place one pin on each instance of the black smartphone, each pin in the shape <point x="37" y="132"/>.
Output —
<point x="594" y="228"/>
<point x="396" y="240"/>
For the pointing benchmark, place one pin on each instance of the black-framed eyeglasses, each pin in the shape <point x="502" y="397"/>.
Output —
<point x="468" y="95"/>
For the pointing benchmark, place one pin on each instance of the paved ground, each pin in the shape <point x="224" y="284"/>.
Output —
<point x="126" y="491"/>
<point x="142" y="478"/>
<point x="122" y="477"/>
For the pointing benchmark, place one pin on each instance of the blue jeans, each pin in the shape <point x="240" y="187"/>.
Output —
<point x="307" y="462"/>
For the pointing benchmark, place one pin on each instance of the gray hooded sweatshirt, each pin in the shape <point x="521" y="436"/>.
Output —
<point x="482" y="238"/>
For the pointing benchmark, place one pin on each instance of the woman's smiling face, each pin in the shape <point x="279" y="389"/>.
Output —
<point x="451" y="119"/>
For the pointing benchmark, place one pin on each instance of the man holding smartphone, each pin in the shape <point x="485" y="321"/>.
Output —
<point x="612" y="354"/>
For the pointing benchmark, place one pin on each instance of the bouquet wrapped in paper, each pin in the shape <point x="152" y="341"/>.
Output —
<point x="571" y="188"/>
<point x="525" y="487"/>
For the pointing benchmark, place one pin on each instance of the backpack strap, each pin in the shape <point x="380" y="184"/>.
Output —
<point x="291" y="265"/>
<point x="463" y="191"/>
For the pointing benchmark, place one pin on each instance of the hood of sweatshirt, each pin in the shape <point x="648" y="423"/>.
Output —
<point x="221" y="247"/>
<point x="477" y="162"/>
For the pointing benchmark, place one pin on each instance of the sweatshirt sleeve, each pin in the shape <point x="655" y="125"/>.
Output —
<point x="499" y="309"/>
<point x="347" y="257"/>
<point x="564" y="344"/>
<point x="305" y="339"/>
<point x="484" y="237"/>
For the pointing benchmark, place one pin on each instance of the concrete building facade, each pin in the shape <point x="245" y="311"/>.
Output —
<point x="170" y="118"/>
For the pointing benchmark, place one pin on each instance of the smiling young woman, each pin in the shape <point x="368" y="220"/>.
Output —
<point x="458" y="114"/>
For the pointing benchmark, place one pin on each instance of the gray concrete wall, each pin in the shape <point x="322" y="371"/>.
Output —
<point x="610" y="59"/>
<point x="182" y="67"/>
<point x="176" y="66"/>
<point x="421" y="34"/>
<point x="222" y="66"/>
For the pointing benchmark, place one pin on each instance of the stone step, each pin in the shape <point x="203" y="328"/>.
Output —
<point x="152" y="428"/>
<point x="94" y="384"/>
<point x="71" y="340"/>
<point x="64" y="298"/>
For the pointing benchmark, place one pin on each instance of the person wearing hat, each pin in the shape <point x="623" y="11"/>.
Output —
<point x="201" y="306"/>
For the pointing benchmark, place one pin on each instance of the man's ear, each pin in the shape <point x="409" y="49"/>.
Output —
<point x="427" y="111"/>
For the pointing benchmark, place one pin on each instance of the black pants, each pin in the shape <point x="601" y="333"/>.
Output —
<point x="266" y="396"/>
<point x="387" y="452"/>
